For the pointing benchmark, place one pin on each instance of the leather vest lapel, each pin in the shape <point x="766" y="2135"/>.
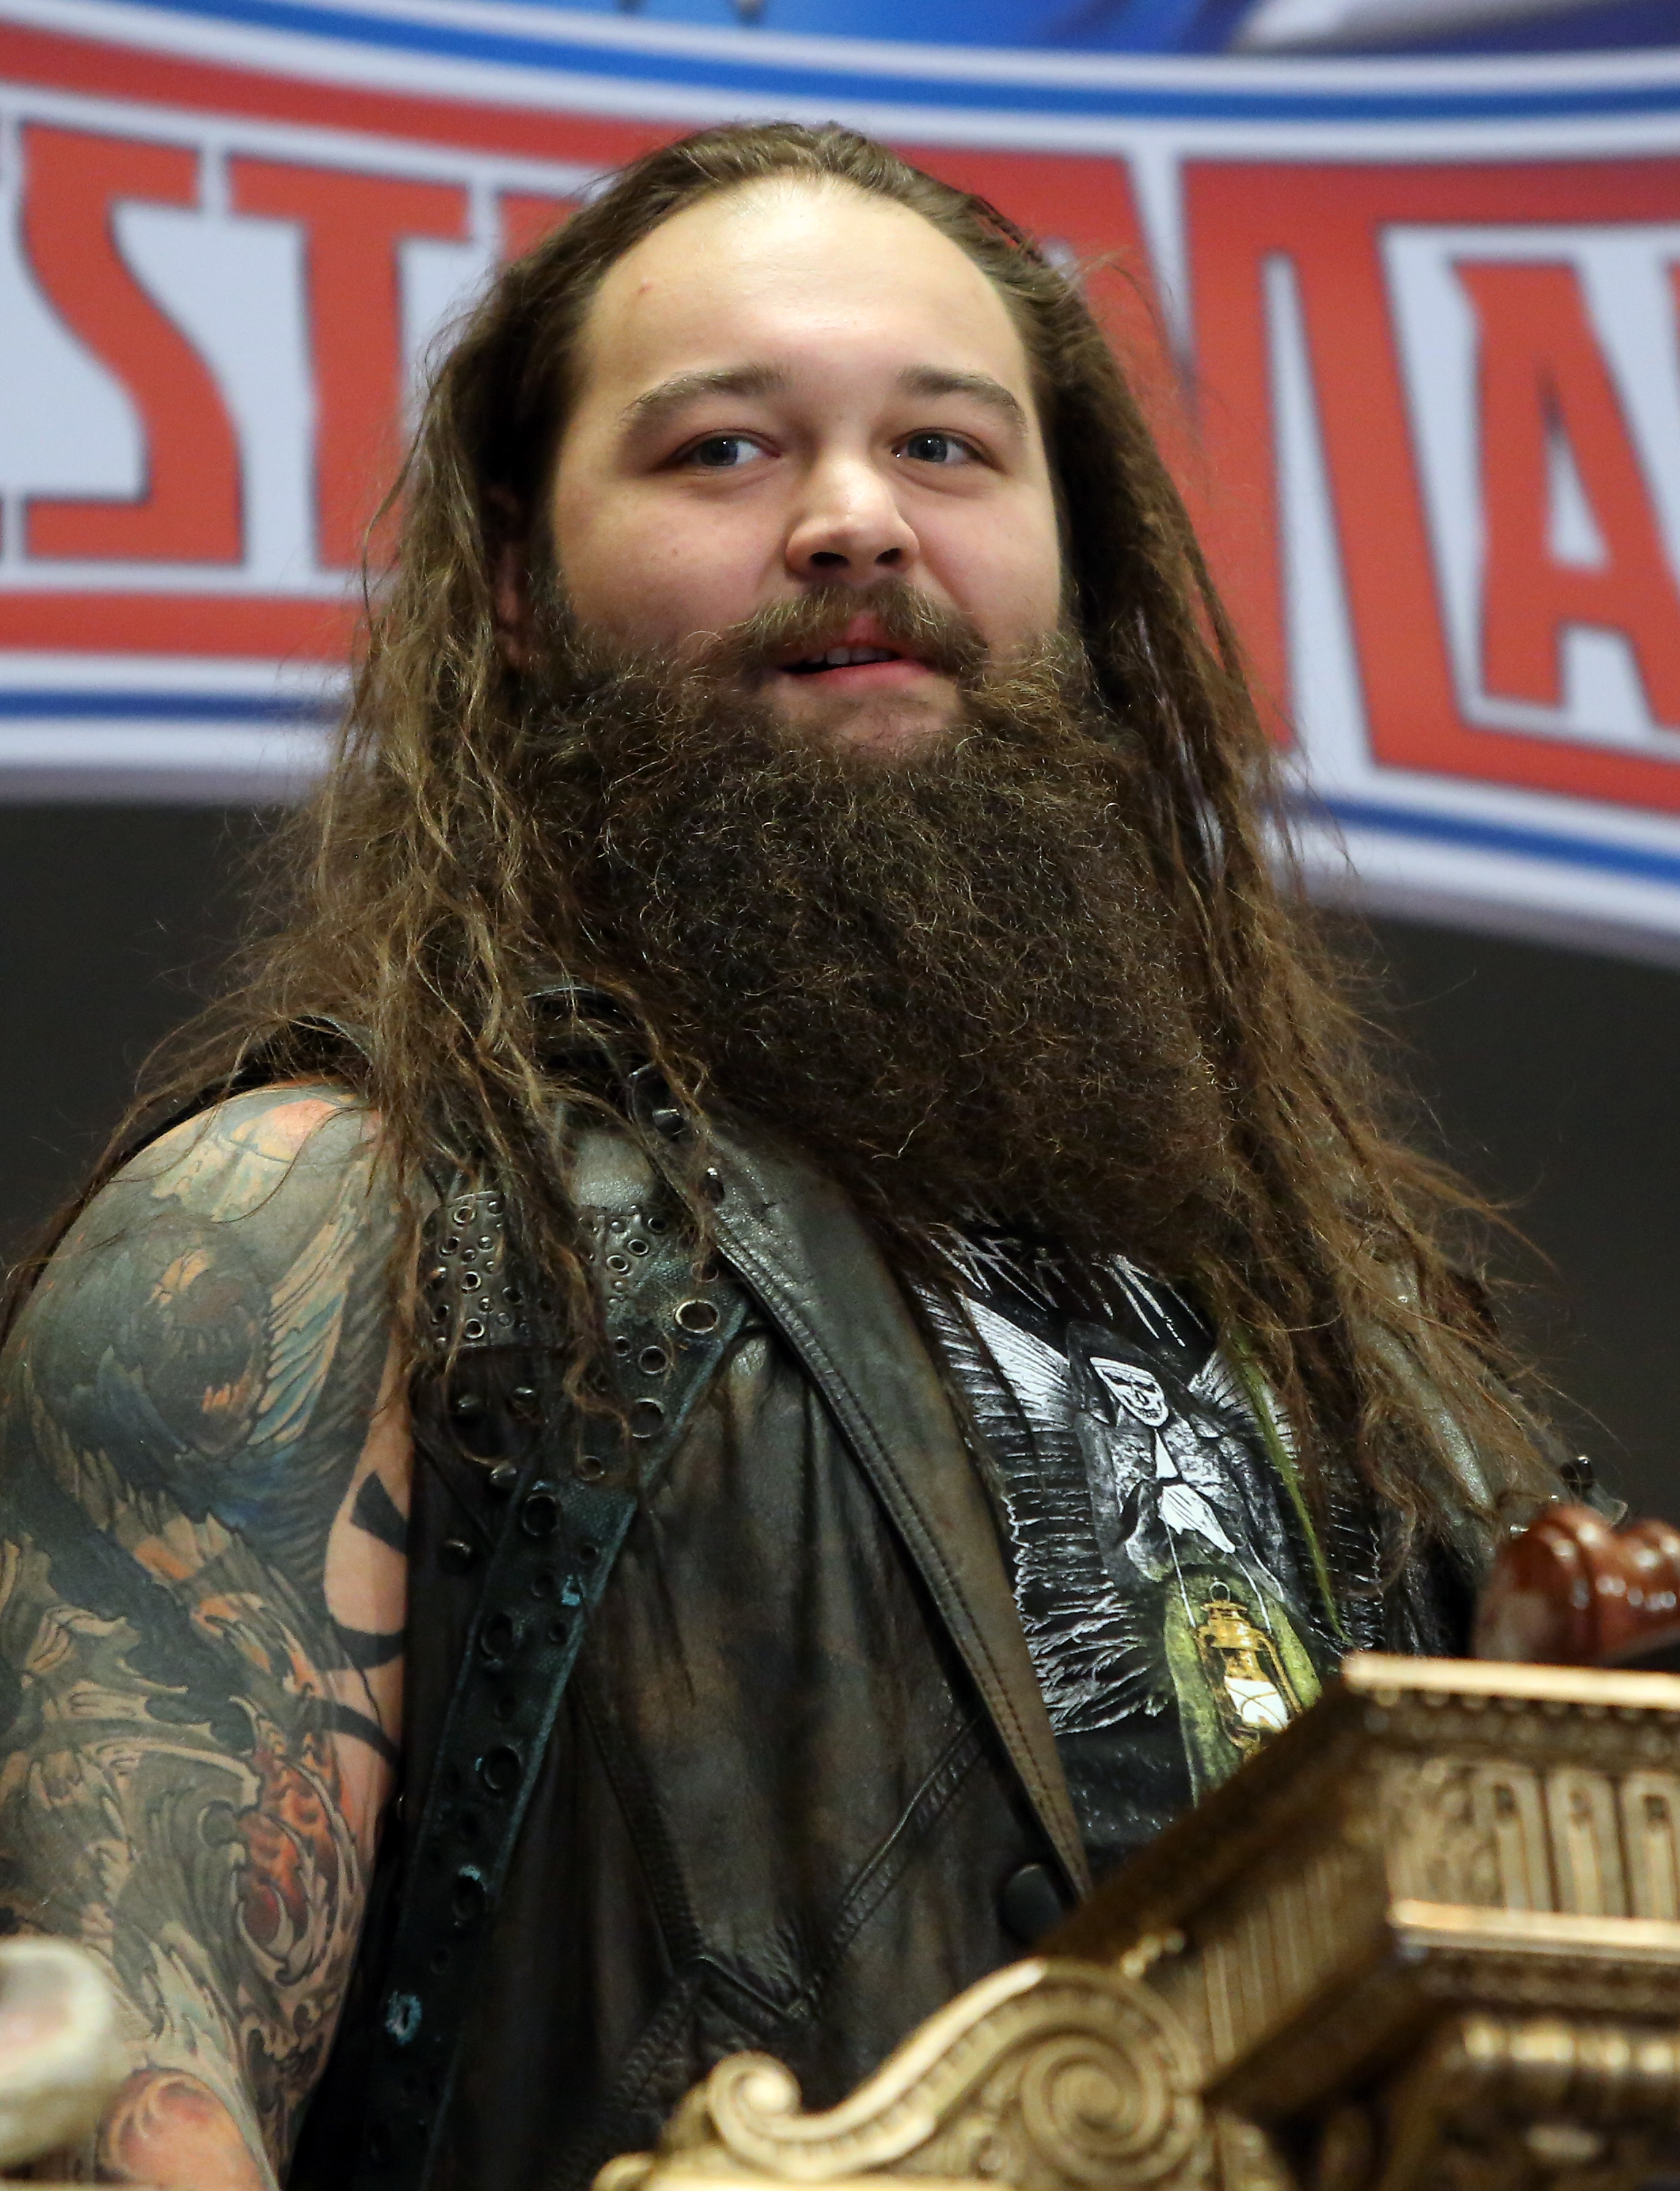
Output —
<point x="801" y="1248"/>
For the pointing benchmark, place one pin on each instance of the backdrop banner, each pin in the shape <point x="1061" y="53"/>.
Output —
<point x="1410" y="328"/>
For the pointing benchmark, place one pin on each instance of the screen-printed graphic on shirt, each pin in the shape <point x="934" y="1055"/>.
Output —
<point x="1160" y="1564"/>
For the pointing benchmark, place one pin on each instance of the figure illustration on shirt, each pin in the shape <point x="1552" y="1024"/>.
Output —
<point x="1197" y="1595"/>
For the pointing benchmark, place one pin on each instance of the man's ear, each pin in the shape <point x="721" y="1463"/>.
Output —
<point x="509" y="578"/>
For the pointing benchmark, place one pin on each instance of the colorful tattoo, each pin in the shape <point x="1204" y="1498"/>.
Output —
<point x="203" y="1477"/>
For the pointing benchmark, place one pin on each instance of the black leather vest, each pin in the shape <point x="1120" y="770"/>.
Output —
<point x="802" y="1789"/>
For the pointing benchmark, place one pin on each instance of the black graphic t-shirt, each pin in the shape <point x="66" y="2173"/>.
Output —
<point x="1162" y="1562"/>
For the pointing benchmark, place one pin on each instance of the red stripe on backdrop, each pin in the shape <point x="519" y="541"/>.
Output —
<point x="58" y="61"/>
<point x="266" y="627"/>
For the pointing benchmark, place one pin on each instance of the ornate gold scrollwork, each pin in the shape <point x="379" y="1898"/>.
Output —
<point x="1533" y="2103"/>
<point x="1047" y="2076"/>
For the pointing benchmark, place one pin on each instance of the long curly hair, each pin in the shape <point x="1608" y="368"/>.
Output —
<point x="426" y="902"/>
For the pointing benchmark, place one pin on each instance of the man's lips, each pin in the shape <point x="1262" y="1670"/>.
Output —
<point x="861" y="658"/>
<point x="895" y="673"/>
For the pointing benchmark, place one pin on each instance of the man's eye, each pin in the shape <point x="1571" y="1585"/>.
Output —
<point x="722" y="452"/>
<point x="938" y="449"/>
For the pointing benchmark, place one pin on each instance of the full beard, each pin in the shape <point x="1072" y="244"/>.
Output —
<point x="952" y="979"/>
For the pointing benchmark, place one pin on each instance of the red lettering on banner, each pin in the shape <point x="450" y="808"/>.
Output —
<point x="527" y="217"/>
<point x="1329" y="223"/>
<point x="353" y="223"/>
<point x="189" y="510"/>
<point x="1085" y="206"/>
<point x="1542" y="373"/>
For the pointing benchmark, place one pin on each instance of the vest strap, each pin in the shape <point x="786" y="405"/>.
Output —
<point x="568" y="1507"/>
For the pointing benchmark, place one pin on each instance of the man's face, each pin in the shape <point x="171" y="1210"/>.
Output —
<point x="794" y="389"/>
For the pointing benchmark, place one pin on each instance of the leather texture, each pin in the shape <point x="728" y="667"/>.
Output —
<point x="799" y="1245"/>
<point x="565" y="1504"/>
<point x="803" y="1763"/>
<point x="801" y="1757"/>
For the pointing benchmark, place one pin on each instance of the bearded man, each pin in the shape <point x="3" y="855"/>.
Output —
<point x="789" y="1186"/>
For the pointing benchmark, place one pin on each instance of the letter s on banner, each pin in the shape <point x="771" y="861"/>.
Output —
<point x="189" y="510"/>
<point x="353" y="224"/>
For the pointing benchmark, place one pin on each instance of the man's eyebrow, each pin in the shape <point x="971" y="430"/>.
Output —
<point x="655" y="405"/>
<point x="980" y="387"/>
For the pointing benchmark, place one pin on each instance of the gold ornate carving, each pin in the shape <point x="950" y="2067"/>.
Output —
<point x="1427" y="1939"/>
<point x="1505" y="2104"/>
<point x="1651" y="1833"/>
<point x="1262" y="1953"/>
<point x="1047" y="2076"/>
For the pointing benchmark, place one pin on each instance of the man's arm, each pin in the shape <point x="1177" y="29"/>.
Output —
<point x="203" y="1477"/>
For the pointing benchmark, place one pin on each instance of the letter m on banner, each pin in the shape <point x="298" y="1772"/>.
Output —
<point x="1484" y="362"/>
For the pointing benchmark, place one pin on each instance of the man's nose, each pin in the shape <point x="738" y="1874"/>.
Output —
<point x="848" y="527"/>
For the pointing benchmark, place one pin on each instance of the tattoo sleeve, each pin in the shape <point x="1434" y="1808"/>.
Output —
<point x="203" y="1477"/>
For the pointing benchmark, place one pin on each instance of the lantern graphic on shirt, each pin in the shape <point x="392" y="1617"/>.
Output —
<point x="1251" y="1691"/>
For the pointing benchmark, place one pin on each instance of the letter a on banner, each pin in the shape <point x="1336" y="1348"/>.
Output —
<point x="1545" y="389"/>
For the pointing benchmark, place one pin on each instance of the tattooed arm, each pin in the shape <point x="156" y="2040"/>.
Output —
<point x="203" y="1473"/>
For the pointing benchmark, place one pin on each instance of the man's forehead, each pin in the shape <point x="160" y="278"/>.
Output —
<point x="785" y="279"/>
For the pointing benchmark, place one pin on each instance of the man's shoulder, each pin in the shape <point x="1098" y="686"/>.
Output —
<point x="241" y="1235"/>
<point x="267" y="1161"/>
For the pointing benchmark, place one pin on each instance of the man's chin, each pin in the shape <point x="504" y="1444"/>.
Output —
<point x="874" y="727"/>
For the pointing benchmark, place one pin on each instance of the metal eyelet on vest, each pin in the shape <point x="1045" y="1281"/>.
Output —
<point x="472" y="1298"/>
<point x="550" y="1549"/>
<point x="499" y="1769"/>
<point x="539" y="1517"/>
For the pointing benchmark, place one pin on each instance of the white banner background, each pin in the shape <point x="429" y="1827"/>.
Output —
<point x="1410" y="329"/>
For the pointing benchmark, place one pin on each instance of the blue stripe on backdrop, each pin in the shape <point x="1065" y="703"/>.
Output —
<point x="1473" y="833"/>
<point x="92" y="704"/>
<point x="691" y="64"/>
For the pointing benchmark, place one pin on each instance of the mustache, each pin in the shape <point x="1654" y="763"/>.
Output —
<point x="933" y="631"/>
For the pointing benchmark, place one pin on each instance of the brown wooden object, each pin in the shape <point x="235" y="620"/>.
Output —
<point x="1571" y="1591"/>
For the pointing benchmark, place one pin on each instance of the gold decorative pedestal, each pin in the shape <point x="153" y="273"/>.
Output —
<point x="1428" y="1940"/>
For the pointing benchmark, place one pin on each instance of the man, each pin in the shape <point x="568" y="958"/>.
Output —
<point x="789" y="1188"/>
